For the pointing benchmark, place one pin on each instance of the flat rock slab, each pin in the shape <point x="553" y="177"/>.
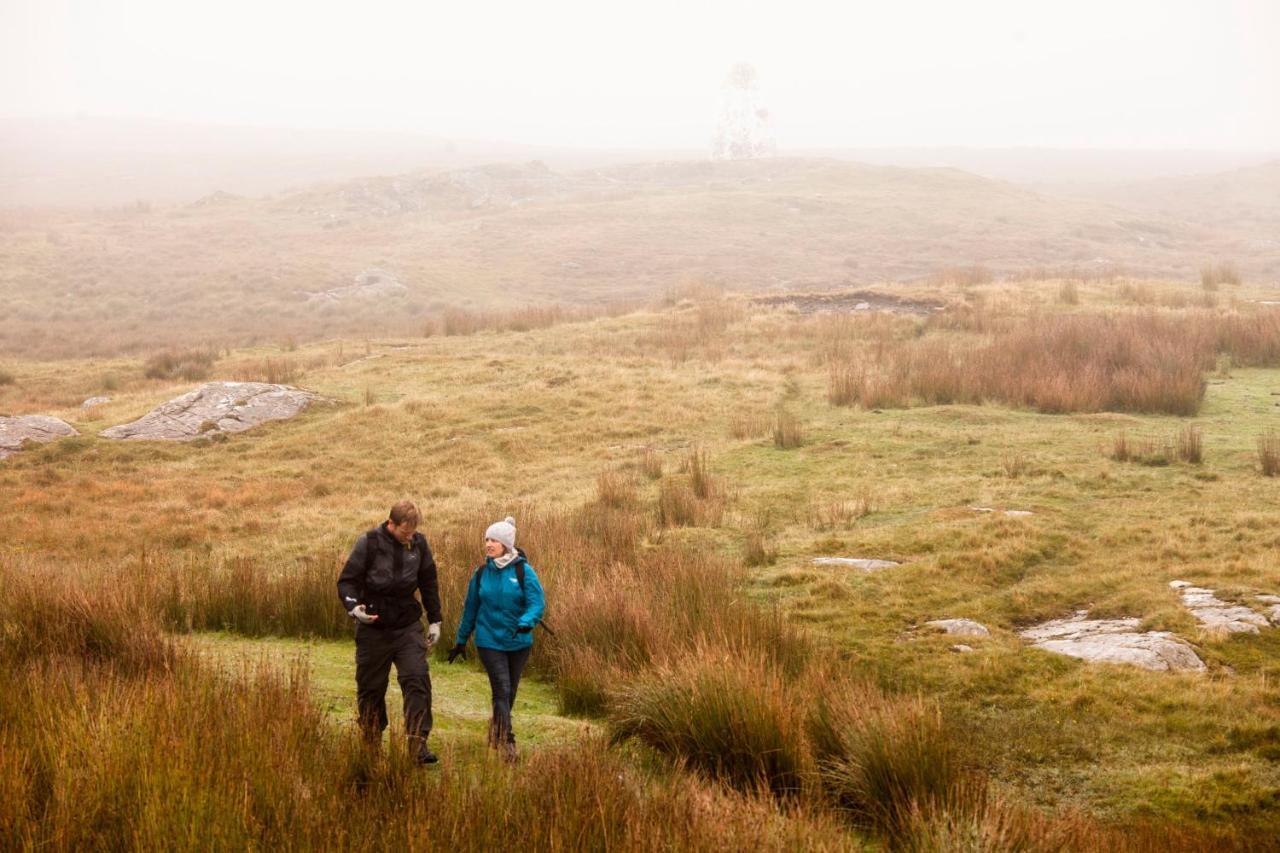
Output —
<point x="1114" y="641"/>
<point x="215" y="407"/>
<point x="863" y="563"/>
<point x="94" y="401"/>
<point x="1217" y="615"/>
<point x="961" y="627"/>
<point x="16" y="431"/>
<point x="1012" y="513"/>
<point x="1272" y="603"/>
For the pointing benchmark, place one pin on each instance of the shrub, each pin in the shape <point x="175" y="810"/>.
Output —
<point x="1069" y="293"/>
<point x="7" y="378"/>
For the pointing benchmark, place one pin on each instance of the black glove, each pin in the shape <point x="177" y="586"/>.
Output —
<point x="524" y="629"/>
<point x="458" y="651"/>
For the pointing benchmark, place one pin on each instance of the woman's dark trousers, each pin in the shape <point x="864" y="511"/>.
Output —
<point x="504" y="670"/>
<point x="376" y="650"/>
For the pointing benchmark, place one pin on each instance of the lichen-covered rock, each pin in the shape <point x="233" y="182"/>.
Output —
<point x="867" y="565"/>
<point x="961" y="627"/>
<point x="16" y="431"/>
<point x="216" y="407"/>
<point x="1114" y="641"/>
<point x="1214" y="614"/>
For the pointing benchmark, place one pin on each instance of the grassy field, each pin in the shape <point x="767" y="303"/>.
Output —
<point x="645" y="460"/>
<point x="236" y="271"/>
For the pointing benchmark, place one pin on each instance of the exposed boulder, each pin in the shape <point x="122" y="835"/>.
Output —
<point x="867" y="565"/>
<point x="961" y="627"/>
<point x="1114" y="641"/>
<point x="94" y="401"/>
<point x="368" y="284"/>
<point x="1011" y="513"/>
<point x="213" y="408"/>
<point x="17" y="431"/>
<point x="1215" y="614"/>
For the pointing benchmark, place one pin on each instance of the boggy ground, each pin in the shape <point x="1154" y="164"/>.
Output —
<point x="475" y="426"/>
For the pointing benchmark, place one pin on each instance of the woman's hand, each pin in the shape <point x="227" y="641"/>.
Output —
<point x="458" y="651"/>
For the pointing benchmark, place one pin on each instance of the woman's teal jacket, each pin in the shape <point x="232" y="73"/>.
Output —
<point x="496" y="607"/>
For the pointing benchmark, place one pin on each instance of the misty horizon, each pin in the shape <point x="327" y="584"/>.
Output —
<point x="1178" y="76"/>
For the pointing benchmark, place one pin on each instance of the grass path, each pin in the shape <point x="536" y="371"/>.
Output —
<point x="460" y="692"/>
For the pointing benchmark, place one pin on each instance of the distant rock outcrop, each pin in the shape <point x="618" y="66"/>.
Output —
<point x="216" y="407"/>
<point x="368" y="284"/>
<point x="94" y="401"/>
<point x="1114" y="641"/>
<point x="17" y="431"/>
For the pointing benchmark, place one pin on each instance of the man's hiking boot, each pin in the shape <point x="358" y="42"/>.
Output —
<point x="426" y="756"/>
<point x="509" y="754"/>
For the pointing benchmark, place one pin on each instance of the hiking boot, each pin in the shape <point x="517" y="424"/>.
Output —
<point x="425" y="755"/>
<point x="509" y="754"/>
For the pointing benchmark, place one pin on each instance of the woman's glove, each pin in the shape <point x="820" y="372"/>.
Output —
<point x="458" y="651"/>
<point x="433" y="634"/>
<point x="362" y="616"/>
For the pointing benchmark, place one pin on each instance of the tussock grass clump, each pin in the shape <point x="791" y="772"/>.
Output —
<point x="787" y="432"/>
<point x="7" y="378"/>
<point x="190" y="365"/>
<point x="880" y="758"/>
<point x="1189" y="445"/>
<point x="651" y="464"/>
<point x="1269" y="453"/>
<point x="1069" y="292"/>
<point x="728" y="716"/>
<point x="1152" y="363"/>
<point x="79" y="617"/>
<point x="1223" y="272"/>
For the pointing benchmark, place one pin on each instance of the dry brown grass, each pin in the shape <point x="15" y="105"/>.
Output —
<point x="1074" y="363"/>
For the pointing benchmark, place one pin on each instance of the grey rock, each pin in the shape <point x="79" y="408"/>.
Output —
<point x="1114" y="641"/>
<point x="1215" y="614"/>
<point x="368" y="284"/>
<point x="867" y="565"/>
<point x="1012" y="513"/>
<point x="1272" y="603"/>
<point x="216" y="407"/>
<point x="961" y="627"/>
<point x="961" y="648"/>
<point x="16" y="431"/>
<point x="94" y="401"/>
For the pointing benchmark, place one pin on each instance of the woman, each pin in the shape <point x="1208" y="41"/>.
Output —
<point x="504" y="603"/>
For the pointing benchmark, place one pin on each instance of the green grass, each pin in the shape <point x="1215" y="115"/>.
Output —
<point x="475" y="428"/>
<point x="460" y="691"/>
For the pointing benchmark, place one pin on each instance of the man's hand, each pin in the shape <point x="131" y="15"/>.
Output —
<point x="523" y="629"/>
<point x="359" y="614"/>
<point x="433" y="634"/>
<point x="458" y="651"/>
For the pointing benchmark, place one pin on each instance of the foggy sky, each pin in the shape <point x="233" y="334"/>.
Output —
<point x="1087" y="73"/>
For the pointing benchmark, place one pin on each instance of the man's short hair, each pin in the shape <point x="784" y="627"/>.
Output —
<point x="405" y="511"/>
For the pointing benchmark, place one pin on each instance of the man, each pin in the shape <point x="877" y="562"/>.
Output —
<point x="376" y="587"/>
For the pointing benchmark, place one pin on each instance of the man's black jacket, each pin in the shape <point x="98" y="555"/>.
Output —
<point x="382" y="575"/>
